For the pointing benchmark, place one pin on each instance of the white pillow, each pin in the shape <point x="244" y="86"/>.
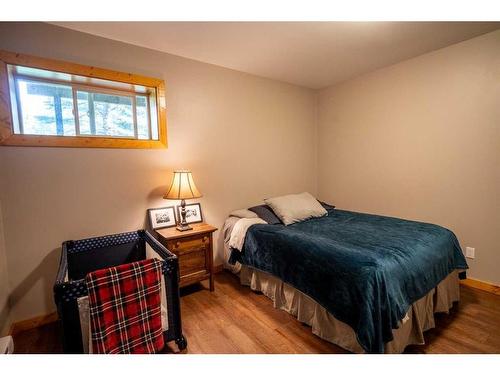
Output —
<point x="296" y="207"/>
<point x="244" y="214"/>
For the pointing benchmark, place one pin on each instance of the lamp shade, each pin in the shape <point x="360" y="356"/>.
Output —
<point x="182" y="186"/>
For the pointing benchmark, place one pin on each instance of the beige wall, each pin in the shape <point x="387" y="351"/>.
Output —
<point x="244" y="138"/>
<point x="421" y="140"/>
<point x="4" y="283"/>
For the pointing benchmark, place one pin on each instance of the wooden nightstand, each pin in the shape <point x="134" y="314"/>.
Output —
<point x="195" y="251"/>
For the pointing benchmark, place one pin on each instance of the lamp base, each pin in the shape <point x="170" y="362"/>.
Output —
<point x="183" y="228"/>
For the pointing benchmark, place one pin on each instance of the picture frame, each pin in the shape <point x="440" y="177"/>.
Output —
<point x="162" y="217"/>
<point x="193" y="213"/>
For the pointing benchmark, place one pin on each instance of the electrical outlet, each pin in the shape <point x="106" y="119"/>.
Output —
<point x="470" y="252"/>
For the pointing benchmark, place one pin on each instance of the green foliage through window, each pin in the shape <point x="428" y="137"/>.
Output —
<point x="47" y="108"/>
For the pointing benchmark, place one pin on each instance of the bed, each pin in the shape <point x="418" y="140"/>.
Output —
<point x="367" y="283"/>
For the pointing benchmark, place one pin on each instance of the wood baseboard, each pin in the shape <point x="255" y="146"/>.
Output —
<point x="482" y="285"/>
<point x="41" y="320"/>
<point x="35" y="322"/>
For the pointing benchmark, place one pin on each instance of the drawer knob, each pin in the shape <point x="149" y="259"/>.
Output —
<point x="205" y="238"/>
<point x="177" y="244"/>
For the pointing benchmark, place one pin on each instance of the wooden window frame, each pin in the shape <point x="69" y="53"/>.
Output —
<point x="9" y="138"/>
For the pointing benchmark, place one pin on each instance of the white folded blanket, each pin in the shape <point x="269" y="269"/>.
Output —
<point x="239" y="231"/>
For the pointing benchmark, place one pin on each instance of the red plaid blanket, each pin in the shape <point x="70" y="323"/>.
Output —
<point x="125" y="308"/>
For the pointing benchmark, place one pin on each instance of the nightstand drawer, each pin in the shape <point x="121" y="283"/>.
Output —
<point x="188" y="245"/>
<point x="192" y="262"/>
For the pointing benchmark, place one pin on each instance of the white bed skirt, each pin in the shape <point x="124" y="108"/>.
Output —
<point x="419" y="318"/>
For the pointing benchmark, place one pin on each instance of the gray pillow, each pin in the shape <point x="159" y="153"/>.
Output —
<point x="265" y="213"/>
<point x="327" y="206"/>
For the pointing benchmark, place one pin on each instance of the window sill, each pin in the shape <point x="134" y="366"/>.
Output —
<point x="81" y="142"/>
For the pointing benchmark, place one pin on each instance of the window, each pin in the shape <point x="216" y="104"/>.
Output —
<point x="53" y="103"/>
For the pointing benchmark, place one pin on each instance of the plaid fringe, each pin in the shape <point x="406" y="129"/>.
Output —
<point x="125" y="308"/>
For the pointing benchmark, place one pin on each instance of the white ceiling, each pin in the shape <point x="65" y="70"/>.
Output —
<point x="310" y="54"/>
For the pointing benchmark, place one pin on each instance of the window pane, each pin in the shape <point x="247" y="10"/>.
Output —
<point x="105" y="115"/>
<point x="47" y="109"/>
<point x="154" y="119"/>
<point x="83" y="112"/>
<point x="113" y="115"/>
<point x="142" y="117"/>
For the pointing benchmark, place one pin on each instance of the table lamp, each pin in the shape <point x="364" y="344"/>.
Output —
<point x="182" y="187"/>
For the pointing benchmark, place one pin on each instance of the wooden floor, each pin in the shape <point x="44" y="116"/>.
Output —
<point x="233" y="319"/>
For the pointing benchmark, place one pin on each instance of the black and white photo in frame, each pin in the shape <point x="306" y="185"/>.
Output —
<point x="163" y="217"/>
<point x="193" y="213"/>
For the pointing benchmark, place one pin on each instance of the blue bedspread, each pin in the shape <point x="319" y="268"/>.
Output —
<point x="366" y="270"/>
